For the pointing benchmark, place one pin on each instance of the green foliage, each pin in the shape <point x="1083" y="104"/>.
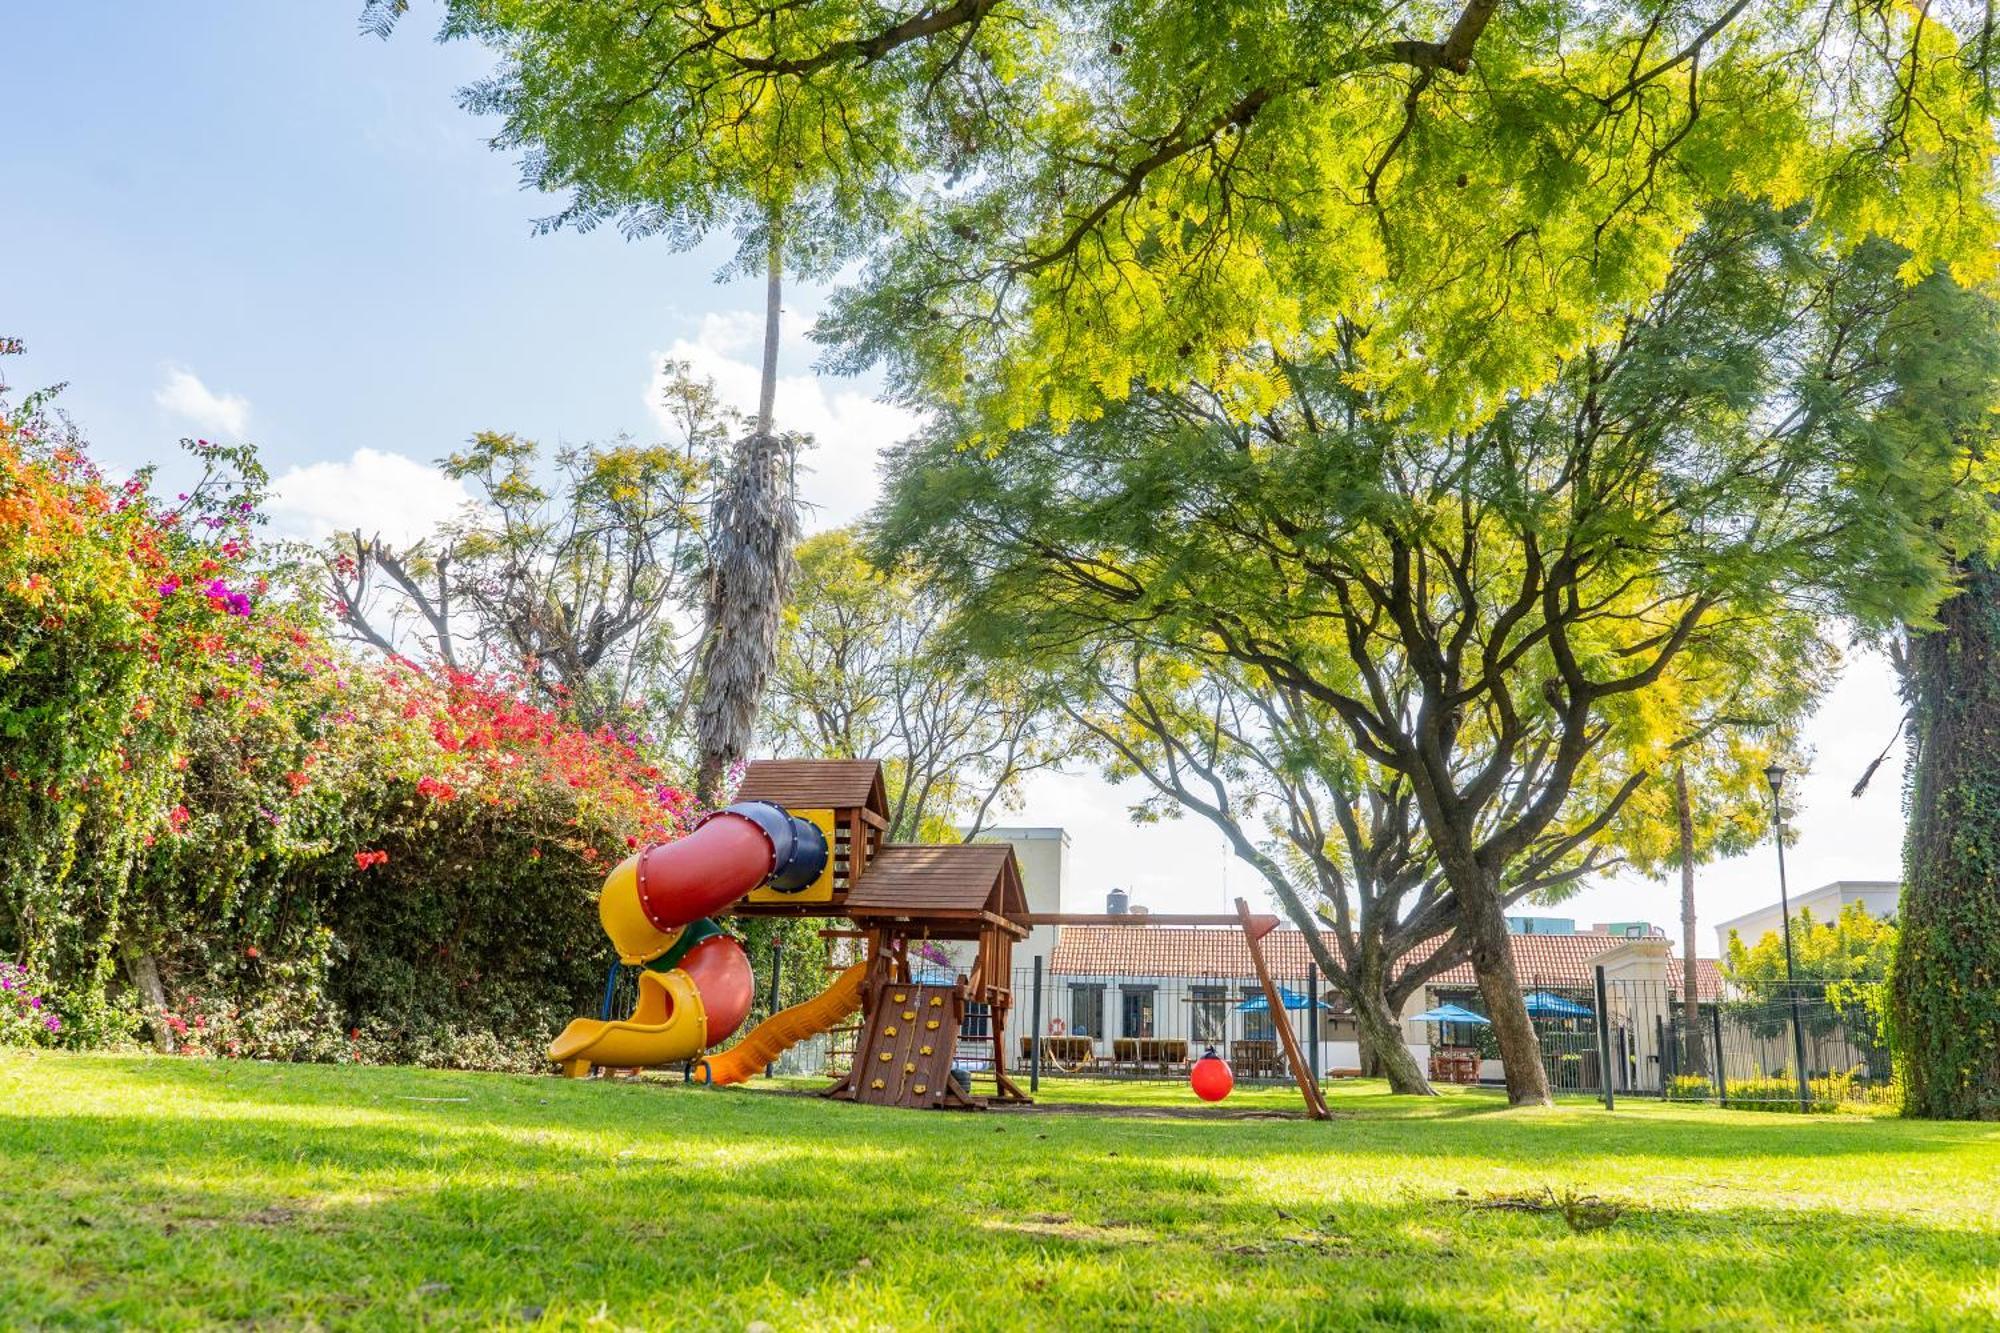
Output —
<point x="1839" y="1090"/>
<point x="1690" y="1088"/>
<point x="1085" y="197"/>
<point x="1450" y="198"/>
<point x="1842" y="969"/>
<point x="1946" y="987"/>
<point x="682" y="120"/>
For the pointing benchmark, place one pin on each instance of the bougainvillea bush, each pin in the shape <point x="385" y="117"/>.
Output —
<point x="219" y="829"/>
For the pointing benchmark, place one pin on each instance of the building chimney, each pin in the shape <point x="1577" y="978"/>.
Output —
<point x="1116" y="902"/>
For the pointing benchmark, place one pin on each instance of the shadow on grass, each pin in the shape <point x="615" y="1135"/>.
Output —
<point x="671" y="1207"/>
<point x="1470" y="1127"/>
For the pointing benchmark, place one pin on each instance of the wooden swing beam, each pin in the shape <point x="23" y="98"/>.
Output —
<point x="1255" y="927"/>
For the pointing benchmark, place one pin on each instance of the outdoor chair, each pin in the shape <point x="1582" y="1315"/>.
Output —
<point x="1255" y="1057"/>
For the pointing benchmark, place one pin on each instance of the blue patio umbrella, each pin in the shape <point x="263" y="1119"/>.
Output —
<point x="1450" y="1013"/>
<point x="1291" y="999"/>
<point x="1544" y="1005"/>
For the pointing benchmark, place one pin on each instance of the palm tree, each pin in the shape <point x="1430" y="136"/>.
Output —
<point x="756" y="525"/>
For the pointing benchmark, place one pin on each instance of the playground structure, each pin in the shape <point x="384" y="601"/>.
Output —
<point x="808" y="838"/>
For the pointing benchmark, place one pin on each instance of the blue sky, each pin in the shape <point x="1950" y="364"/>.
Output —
<point x="246" y="220"/>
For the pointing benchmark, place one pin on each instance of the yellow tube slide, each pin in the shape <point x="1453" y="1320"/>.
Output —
<point x="668" y="1025"/>
<point x="784" y="1030"/>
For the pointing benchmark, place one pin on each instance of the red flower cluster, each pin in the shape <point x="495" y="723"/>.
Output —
<point x="437" y="790"/>
<point x="363" y="860"/>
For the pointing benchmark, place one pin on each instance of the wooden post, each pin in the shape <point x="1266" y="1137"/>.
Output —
<point x="1315" y="1104"/>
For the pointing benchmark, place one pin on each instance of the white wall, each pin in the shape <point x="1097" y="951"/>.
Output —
<point x="1043" y="854"/>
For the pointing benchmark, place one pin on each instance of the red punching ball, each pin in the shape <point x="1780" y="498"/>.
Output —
<point x="1211" y="1078"/>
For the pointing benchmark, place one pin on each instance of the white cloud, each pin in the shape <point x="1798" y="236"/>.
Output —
<point x="849" y="426"/>
<point x="381" y="493"/>
<point x="185" y="396"/>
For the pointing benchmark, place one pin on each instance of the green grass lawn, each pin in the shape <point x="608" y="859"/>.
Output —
<point x="168" y="1193"/>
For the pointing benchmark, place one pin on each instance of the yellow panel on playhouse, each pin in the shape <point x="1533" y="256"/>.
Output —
<point x="821" y="889"/>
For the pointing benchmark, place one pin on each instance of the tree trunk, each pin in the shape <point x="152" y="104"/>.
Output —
<point x="1691" y="1042"/>
<point x="750" y="571"/>
<point x="1946" y="992"/>
<point x="1382" y="1042"/>
<point x="1484" y="922"/>
<point x="145" y="972"/>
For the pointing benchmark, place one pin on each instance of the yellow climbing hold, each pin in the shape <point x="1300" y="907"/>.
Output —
<point x="900" y="997"/>
<point x="878" y="1084"/>
<point x="921" y="1089"/>
<point x="937" y="1001"/>
<point x="924" y="1050"/>
<point x="909" y="1013"/>
<point x="885" y="1057"/>
<point x="909" y="1069"/>
<point x="889" y="1031"/>
<point x="932" y="1025"/>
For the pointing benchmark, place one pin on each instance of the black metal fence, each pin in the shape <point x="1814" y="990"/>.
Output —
<point x="1813" y="1047"/>
<point x="1139" y="1026"/>
<point x="1808" y="1047"/>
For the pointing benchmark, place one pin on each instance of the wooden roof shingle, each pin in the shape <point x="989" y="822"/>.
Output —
<point x="951" y="879"/>
<point x="816" y="784"/>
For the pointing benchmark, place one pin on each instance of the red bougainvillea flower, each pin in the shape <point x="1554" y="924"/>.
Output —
<point x="177" y="818"/>
<point x="363" y="860"/>
<point x="437" y="790"/>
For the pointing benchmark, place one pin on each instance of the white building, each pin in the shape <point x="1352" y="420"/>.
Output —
<point x="1043" y="855"/>
<point x="1878" y="897"/>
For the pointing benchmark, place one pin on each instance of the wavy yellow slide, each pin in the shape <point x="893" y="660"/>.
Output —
<point x="783" y="1030"/>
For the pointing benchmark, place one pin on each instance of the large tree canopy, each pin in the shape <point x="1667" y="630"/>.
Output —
<point x="1527" y="619"/>
<point x="1442" y="196"/>
<point x="1088" y="193"/>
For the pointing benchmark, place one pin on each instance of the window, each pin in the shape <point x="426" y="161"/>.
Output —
<point x="1136" y="1010"/>
<point x="978" y="1021"/>
<point x="1086" y="1011"/>
<point x="1211" y="1015"/>
<point x="1257" y="1022"/>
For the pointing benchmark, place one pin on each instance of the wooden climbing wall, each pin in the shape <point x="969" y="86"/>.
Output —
<point x="908" y="1046"/>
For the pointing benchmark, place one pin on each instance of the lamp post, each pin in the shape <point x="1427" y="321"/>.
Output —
<point x="1774" y="774"/>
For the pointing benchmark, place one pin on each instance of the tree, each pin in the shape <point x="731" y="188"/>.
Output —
<point x="781" y="123"/>
<point x="871" y="666"/>
<point x="1337" y="842"/>
<point x="584" y="581"/>
<point x="1946" y="993"/>
<point x="1575" y="589"/>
